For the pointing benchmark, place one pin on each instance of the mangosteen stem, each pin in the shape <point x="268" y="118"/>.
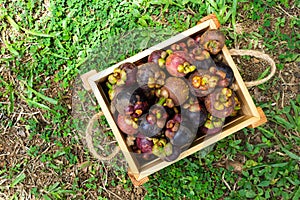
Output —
<point x="109" y="85"/>
<point x="161" y="101"/>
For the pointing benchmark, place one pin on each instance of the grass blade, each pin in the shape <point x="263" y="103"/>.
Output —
<point x="279" y="164"/>
<point x="279" y="120"/>
<point x="296" y="110"/>
<point x="58" y="154"/>
<point x="13" y="23"/>
<point x="38" y="33"/>
<point x="290" y="154"/>
<point x="291" y="119"/>
<point x="268" y="133"/>
<point x="229" y="13"/>
<point x="18" y="179"/>
<point x="275" y="165"/>
<point x="213" y="4"/>
<point x="58" y="56"/>
<point x="46" y="197"/>
<point x="3" y="171"/>
<point x="9" y="47"/>
<point x="4" y="82"/>
<point x="264" y="73"/>
<point x="297" y="194"/>
<point x="76" y="67"/>
<point x="39" y="105"/>
<point x="53" y="187"/>
<point x="40" y="95"/>
<point x="12" y="100"/>
<point x="30" y="83"/>
<point x="233" y="15"/>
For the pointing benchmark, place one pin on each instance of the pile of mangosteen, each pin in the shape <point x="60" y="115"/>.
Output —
<point x="182" y="92"/>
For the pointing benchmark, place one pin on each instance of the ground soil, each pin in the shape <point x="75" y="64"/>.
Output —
<point x="15" y="141"/>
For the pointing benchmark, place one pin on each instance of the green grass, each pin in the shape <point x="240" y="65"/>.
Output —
<point x="44" y="47"/>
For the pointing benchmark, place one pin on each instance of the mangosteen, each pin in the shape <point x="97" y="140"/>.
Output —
<point x="175" y="153"/>
<point x="165" y="150"/>
<point x="212" y="125"/>
<point x="158" y="57"/>
<point x="220" y="103"/>
<point x="179" y="134"/>
<point x="224" y="72"/>
<point x="181" y="46"/>
<point x="177" y="89"/>
<point x="193" y="113"/>
<point x="172" y="126"/>
<point x="154" y="121"/>
<point x="202" y="82"/>
<point x="150" y="75"/>
<point x="158" y="148"/>
<point x="127" y="125"/>
<point x="191" y="43"/>
<point x="179" y="64"/>
<point x="123" y="75"/>
<point x="237" y="107"/>
<point x="183" y="137"/>
<point x="131" y="101"/>
<point x="202" y="59"/>
<point x="144" y="144"/>
<point x="113" y="90"/>
<point x="213" y="41"/>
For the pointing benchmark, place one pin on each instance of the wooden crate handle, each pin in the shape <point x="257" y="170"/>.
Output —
<point x="89" y="140"/>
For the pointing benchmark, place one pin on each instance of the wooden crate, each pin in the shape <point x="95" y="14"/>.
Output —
<point x="248" y="116"/>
